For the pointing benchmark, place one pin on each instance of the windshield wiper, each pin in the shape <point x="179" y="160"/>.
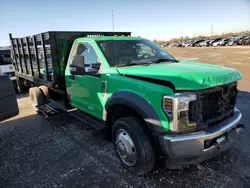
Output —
<point x="135" y="62"/>
<point x="164" y="60"/>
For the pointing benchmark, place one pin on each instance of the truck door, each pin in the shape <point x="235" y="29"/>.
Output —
<point x="85" y="90"/>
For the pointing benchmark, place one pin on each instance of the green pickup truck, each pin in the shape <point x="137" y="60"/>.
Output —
<point x="150" y="104"/>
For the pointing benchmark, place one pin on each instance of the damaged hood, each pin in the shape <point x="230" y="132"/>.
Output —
<point x="184" y="75"/>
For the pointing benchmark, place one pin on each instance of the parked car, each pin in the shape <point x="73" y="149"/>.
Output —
<point x="232" y="41"/>
<point x="186" y="44"/>
<point x="224" y="43"/>
<point x="189" y="43"/>
<point x="215" y="40"/>
<point x="241" y="41"/>
<point x="196" y="43"/>
<point x="204" y="43"/>
<point x="173" y="45"/>
<point x="220" y="42"/>
<point x="181" y="111"/>
<point x="246" y="41"/>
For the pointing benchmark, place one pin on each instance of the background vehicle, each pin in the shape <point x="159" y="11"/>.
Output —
<point x="8" y="102"/>
<point x="246" y="41"/>
<point x="173" y="45"/>
<point x="197" y="43"/>
<point x="220" y="42"/>
<point x="151" y="104"/>
<point x="204" y="43"/>
<point x="6" y="66"/>
<point x="237" y="40"/>
<point x="187" y="43"/>
<point x="215" y="40"/>
<point x="241" y="41"/>
<point x="233" y="40"/>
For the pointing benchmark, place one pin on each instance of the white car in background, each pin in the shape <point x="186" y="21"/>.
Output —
<point x="6" y="66"/>
<point x="204" y="43"/>
<point x="220" y="42"/>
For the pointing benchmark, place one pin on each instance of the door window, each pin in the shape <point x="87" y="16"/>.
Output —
<point x="87" y="51"/>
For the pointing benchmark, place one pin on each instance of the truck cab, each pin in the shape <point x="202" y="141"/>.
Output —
<point x="150" y="104"/>
<point x="6" y="66"/>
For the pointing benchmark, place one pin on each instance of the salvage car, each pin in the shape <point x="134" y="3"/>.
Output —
<point x="151" y="104"/>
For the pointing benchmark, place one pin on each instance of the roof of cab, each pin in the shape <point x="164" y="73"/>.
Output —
<point x="103" y="38"/>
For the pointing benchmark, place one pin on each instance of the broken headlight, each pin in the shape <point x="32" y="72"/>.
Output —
<point x="177" y="109"/>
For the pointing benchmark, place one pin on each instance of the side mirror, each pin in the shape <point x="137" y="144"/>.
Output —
<point x="76" y="65"/>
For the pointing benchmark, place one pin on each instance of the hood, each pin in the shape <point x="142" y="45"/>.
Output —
<point x="184" y="75"/>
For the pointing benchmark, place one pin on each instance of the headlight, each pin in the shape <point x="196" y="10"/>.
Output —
<point x="177" y="109"/>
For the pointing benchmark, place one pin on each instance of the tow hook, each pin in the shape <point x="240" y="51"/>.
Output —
<point x="240" y="127"/>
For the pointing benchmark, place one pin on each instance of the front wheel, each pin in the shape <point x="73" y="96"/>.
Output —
<point x="133" y="146"/>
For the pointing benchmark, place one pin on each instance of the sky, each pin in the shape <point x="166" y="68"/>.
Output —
<point x="152" y="19"/>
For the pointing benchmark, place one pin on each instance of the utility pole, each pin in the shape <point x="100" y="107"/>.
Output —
<point x="113" y="25"/>
<point x="212" y="30"/>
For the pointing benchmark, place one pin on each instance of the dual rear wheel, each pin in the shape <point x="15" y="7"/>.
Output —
<point x="39" y="96"/>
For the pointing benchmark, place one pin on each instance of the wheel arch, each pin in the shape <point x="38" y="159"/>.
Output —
<point x="138" y="105"/>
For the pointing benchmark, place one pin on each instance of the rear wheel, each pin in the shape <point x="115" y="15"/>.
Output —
<point x="45" y="92"/>
<point x="133" y="146"/>
<point x="36" y="97"/>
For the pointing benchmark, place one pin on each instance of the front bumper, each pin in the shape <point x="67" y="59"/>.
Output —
<point x="192" y="148"/>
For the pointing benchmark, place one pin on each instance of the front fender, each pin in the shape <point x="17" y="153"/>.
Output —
<point x="137" y="103"/>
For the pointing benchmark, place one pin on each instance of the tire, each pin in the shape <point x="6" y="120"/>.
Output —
<point x="20" y="85"/>
<point x="36" y="97"/>
<point x="141" y="149"/>
<point x="45" y="92"/>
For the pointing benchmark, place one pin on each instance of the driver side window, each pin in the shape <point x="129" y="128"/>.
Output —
<point x="90" y="57"/>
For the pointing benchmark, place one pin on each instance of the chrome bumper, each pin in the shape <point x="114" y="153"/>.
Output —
<point x="197" y="147"/>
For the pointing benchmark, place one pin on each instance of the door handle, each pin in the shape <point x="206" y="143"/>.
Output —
<point x="72" y="77"/>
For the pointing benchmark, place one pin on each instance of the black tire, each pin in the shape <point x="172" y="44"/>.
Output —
<point x="20" y="85"/>
<point x="45" y="92"/>
<point x="36" y="97"/>
<point x="145" y="154"/>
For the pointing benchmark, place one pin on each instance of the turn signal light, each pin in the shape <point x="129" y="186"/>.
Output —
<point x="168" y="105"/>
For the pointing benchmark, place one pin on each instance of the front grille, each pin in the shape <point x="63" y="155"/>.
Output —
<point x="213" y="105"/>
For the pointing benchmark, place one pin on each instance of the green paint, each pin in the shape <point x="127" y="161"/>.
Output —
<point x="85" y="91"/>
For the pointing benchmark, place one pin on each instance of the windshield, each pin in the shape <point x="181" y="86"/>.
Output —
<point x="5" y="58"/>
<point x="124" y="52"/>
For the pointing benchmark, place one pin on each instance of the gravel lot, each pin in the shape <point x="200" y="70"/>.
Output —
<point x="60" y="151"/>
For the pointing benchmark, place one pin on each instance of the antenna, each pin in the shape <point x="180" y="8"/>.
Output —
<point x="113" y="25"/>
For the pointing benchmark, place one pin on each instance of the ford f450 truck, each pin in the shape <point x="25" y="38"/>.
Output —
<point x="151" y="104"/>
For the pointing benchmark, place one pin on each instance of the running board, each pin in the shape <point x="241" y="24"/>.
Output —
<point x="50" y="109"/>
<point x="91" y="121"/>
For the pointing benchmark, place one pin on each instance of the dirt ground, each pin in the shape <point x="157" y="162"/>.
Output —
<point x="60" y="151"/>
